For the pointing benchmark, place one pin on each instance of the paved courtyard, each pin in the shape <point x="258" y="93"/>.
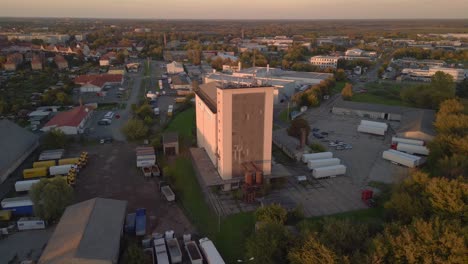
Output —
<point x="26" y="245"/>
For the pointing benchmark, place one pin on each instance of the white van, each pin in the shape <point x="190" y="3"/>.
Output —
<point x="109" y="115"/>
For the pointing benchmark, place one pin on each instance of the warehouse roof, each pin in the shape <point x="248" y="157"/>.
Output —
<point x="69" y="118"/>
<point x="15" y="142"/>
<point x="87" y="231"/>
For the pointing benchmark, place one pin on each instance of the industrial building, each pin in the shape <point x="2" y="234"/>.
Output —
<point x="234" y="126"/>
<point x="325" y="62"/>
<point x="415" y="123"/>
<point x="426" y="74"/>
<point x="70" y="122"/>
<point x="16" y="144"/>
<point x="175" y="67"/>
<point x="88" y="232"/>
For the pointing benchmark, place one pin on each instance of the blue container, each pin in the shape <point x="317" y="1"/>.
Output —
<point x="140" y="222"/>
<point x="21" y="210"/>
<point x="130" y="223"/>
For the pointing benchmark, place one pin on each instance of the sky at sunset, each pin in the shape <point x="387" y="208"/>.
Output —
<point x="237" y="9"/>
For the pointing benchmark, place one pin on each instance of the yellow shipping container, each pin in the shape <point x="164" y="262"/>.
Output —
<point x="5" y="215"/>
<point x="68" y="161"/>
<point x="34" y="173"/>
<point x="44" y="164"/>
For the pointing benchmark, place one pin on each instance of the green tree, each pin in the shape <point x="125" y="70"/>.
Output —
<point x="273" y="213"/>
<point x="347" y="92"/>
<point x="462" y="89"/>
<point x="134" y="255"/>
<point x="145" y="111"/>
<point x="432" y="241"/>
<point x="311" y="251"/>
<point x="50" y="197"/>
<point x="340" y="75"/>
<point x="135" y="129"/>
<point x="268" y="245"/>
<point x="54" y="139"/>
<point x="443" y="82"/>
<point x="297" y="127"/>
<point x="343" y="236"/>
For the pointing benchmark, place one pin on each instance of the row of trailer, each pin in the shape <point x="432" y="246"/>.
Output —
<point x="323" y="165"/>
<point x="404" y="151"/>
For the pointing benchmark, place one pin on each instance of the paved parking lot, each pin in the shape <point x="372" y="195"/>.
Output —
<point x="26" y="245"/>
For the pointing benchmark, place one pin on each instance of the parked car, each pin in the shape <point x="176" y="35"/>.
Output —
<point x="317" y="135"/>
<point x="340" y="148"/>
<point x="348" y="146"/>
<point x="106" y="140"/>
<point x="104" y="122"/>
<point x="324" y="133"/>
<point x="315" y="129"/>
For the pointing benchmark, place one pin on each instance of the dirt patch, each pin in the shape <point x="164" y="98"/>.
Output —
<point x="111" y="173"/>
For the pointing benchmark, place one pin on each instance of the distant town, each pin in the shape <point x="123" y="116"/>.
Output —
<point x="217" y="141"/>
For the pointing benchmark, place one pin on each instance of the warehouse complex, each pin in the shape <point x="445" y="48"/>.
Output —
<point x="16" y="144"/>
<point x="88" y="232"/>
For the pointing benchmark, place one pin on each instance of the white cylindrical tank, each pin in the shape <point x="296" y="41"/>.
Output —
<point x="312" y="156"/>
<point x="373" y="123"/>
<point x="60" y="170"/>
<point x="329" y="171"/>
<point x="24" y="186"/>
<point x="407" y="141"/>
<point x="312" y="164"/>
<point x="401" y="158"/>
<point x="413" y="149"/>
<point x="371" y="130"/>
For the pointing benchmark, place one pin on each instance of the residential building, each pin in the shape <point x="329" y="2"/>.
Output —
<point x="70" y="122"/>
<point x="16" y="144"/>
<point x="107" y="58"/>
<point x="46" y="37"/>
<point x="61" y="62"/>
<point x="325" y="62"/>
<point x="13" y="61"/>
<point x="88" y="232"/>
<point x="358" y="54"/>
<point x="252" y="46"/>
<point x="426" y="74"/>
<point x="234" y="126"/>
<point x="175" y="67"/>
<point x="95" y="83"/>
<point x="37" y="62"/>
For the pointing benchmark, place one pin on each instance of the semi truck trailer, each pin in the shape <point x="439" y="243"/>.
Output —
<point x="401" y="158"/>
<point x="315" y="156"/>
<point x="413" y="149"/>
<point x="330" y="171"/>
<point x="313" y="164"/>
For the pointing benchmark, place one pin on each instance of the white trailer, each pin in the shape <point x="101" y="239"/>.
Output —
<point x="373" y="123"/>
<point x="30" y="223"/>
<point x="168" y="193"/>
<point x="371" y="130"/>
<point x="407" y="141"/>
<point x="51" y="154"/>
<point x="402" y="158"/>
<point x="413" y="149"/>
<point x="146" y="161"/>
<point x="313" y="156"/>
<point x="193" y="253"/>
<point x="160" y="251"/>
<point x="313" y="164"/>
<point x="330" y="171"/>
<point x="60" y="170"/>
<point x="212" y="255"/>
<point x="25" y="186"/>
<point x="174" y="250"/>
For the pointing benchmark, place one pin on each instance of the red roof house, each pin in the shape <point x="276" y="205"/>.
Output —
<point x="70" y="122"/>
<point x="95" y="83"/>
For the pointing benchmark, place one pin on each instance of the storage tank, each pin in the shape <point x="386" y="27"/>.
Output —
<point x="24" y="186"/>
<point x="34" y="173"/>
<point x="413" y="149"/>
<point x="329" y="171"/>
<point x="68" y="161"/>
<point x="60" y="170"/>
<point x="371" y="130"/>
<point x="313" y="156"/>
<point x="376" y="124"/>
<point x="401" y="158"/>
<point x="312" y="164"/>
<point x="407" y="141"/>
<point x="45" y="164"/>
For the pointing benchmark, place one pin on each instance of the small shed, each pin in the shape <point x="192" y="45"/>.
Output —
<point x="171" y="143"/>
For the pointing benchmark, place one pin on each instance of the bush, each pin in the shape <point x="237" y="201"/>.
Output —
<point x="317" y="147"/>
<point x="54" y="139"/>
<point x="135" y="129"/>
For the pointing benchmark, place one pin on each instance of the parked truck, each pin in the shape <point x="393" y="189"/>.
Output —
<point x="35" y="173"/>
<point x="25" y="186"/>
<point x="18" y="205"/>
<point x="60" y="170"/>
<point x="413" y="149"/>
<point x="212" y="255"/>
<point x="46" y="164"/>
<point x="313" y="164"/>
<point x="193" y="252"/>
<point x="396" y="140"/>
<point x="140" y="222"/>
<point x="371" y="130"/>
<point x="160" y="251"/>
<point x="330" y="171"/>
<point x="313" y="156"/>
<point x="374" y="124"/>
<point x="30" y="223"/>
<point x="174" y="250"/>
<point x="401" y="158"/>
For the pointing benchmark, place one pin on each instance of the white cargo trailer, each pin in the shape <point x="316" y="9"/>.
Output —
<point x="174" y="250"/>
<point x="312" y="164"/>
<point x="313" y="156"/>
<point x="401" y="158"/>
<point x="407" y="141"/>
<point x="413" y="149"/>
<point x="30" y="223"/>
<point x="212" y="255"/>
<point x="373" y="123"/>
<point x="330" y="171"/>
<point x="60" y="170"/>
<point x="25" y="186"/>
<point x="160" y="251"/>
<point x="193" y="252"/>
<point x="371" y="130"/>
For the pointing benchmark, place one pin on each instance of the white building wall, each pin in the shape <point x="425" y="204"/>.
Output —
<point x="206" y="129"/>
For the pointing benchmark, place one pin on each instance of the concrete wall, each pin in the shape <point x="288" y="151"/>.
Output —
<point x="206" y="129"/>
<point x="366" y="114"/>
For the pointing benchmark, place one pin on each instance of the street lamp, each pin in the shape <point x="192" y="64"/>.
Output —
<point x="250" y="259"/>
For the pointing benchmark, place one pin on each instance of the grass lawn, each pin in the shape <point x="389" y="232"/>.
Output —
<point x="363" y="215"/>
<point x="183" y="123"/>
<point x="283" y="116"/>
<point x="386" y="93"/>
<point x="338" y="87"/>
